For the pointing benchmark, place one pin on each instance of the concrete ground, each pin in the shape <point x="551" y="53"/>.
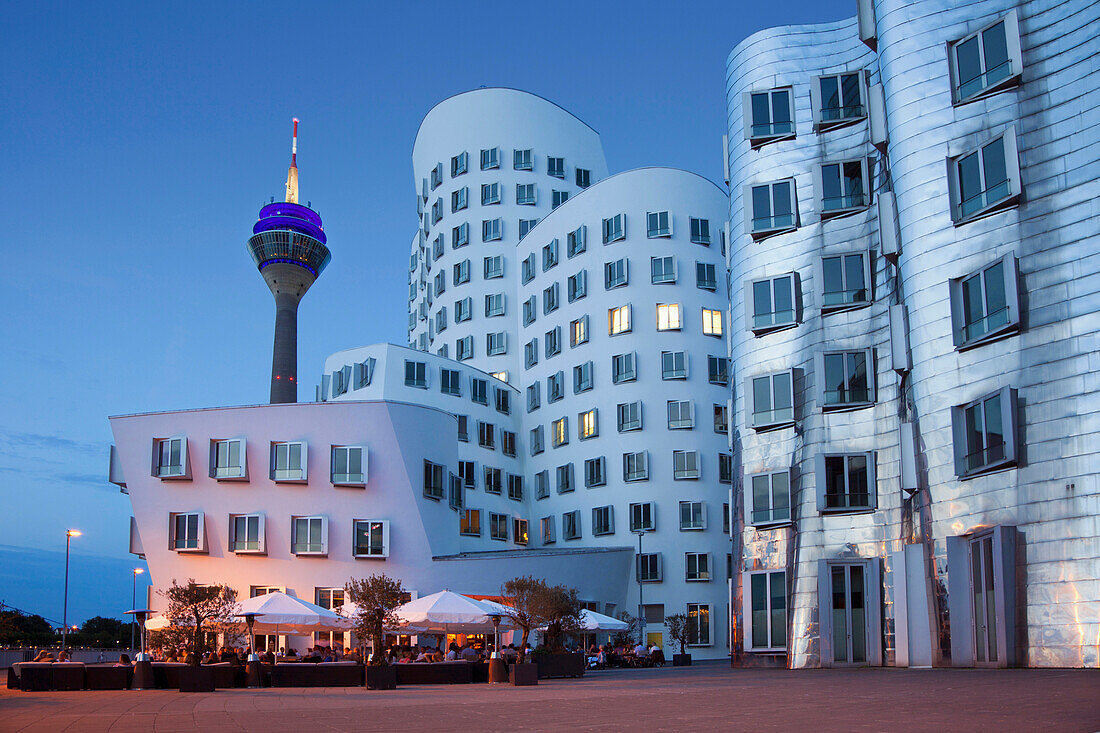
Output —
<point x="704" y="697"/>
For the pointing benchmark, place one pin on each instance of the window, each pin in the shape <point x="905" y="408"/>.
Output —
<point x="578" y="285"/>
<point x="614" y="228"/>
<point x="503" y="401"/>
<point x="618" y="320"/>
<point x="700" y="231"/>
<point x="603" y="520"/>
<point x="525" y="194"/>
<point x="565" y="478"/>
<point x="845" y="281"/>
<point x="463" y="310"/>
<point x="310" y="536"/>
<point x="537" y="445"/>
<point x="770" y="502"/>
<point x="985" y="433"/>
<point x="712" y="322"/>
<point x="838" y="99"/>
<point x="522" y="160"/>
<point x="582" y="377"/>
<point x="685" y="464"/>
<point x="440" y="282"/>
<point x="459" y="199"/>
<point x="668" y="317"/>
<point x="441" y="325"/>
<point x="491" y="230"/>
<point x="557" y="198"/>
<point x="697" y="568"/>
<point x="629" y="416"/>
<point x="416" y="374"/>
<point x="725" y="468"/>
<point x="615" y="274"/>
<point x="560" y="432"/>
<point x="842" y="187"/>
<point x="555" y="167"/>
<point x="771" y="303"/>
<point x="363" y="372"/>
<point x="846" y="378"/>
<point x="460" y="235"/>
<point x="985" y="180"/>
<point x="595" y="472"/>
<point x="170" y="458"/>
<point x="576" y="241"/>
<point x="341" y="380"/>
<point x="246" y="533"/>
<point x="490" y="194"/>
<point x="721" y="419"/>
<point x="555" y="387"/>
<point x="494" y="305"/>
<point x="662" y="269"/>
<point x="463" y="428"/>
<point x="449" y="382"/>
<point x="552" y="341"/>
<point x="515" y="487"/>
<point x="846" y="482"/>
<point x="636" y="466"/>
<point x="227" y="459"/>
<point x="718" y="370"/>
<point x="349" y="465"/>
<point x="494" y="267"/>
<point x="773" y="208"/>
<point x="550" y="299"/>
<point x="469" y="523"/>
<point x="673" y="365"/>
<point x="519" y="531"/>
<point x="467" y="474"/>
<point x="680" y="415"/>
<point x="986" y="61"/>
<point x="765" y="613"/>
<point x="985" y="304"/>
<point x="578" y="331"/>
<point x="490" y="159"/>
<point x="588" y="424"/>
<point x="433" y="480"/>
<point x="372" y="538"/>
<point x="486" y="435"/>
<point x="571" y="525"/>
<point x="464" y="347"/>
<point x="288" y="461"/>
<point x="498" y="526"/>
<point x="542" y="485"/>
<point x="437" y="175"/>
<point x="706" y="277"/>
<point x="584" y="178"/>
<point x="649" y="568"/>
<point x="623" y="368"/>
<point x="456" y="497"/>
<point x="698" y="625"/>
<point x="547" y="530"/>
<point x="693" y="516"/>
<point x="495" y="343"/>
<point x="525" y="226"/>
<point x="769" y="115"/>
<point x="658" y="224"/>
<point x="461" y="272"/>
<point x="437" y="211"/>
<point x="528" y="269"/>
<point x="459" y="164"/>
<point x="642" y="517"/>
<point x="187" y="531"/>
<point x="531" y="353"/>
<point x="772" y="397"/>
<point x="493" y="480"/>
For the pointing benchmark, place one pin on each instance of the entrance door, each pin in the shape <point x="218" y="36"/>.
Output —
<point x="849" y="614"/>
<point x="982" y="593"/>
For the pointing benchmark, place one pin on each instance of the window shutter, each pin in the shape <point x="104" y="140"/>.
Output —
<point x="746" y="610"/>
<point x="202" y="532"/>
<point x="825" y="617"/>
<point x="305" y="456"/>
<point x="746" y="207"/>
<point x="866" y="23"/>
<point x="324" y="535"/>
<point x="660" y="567"/>
<point x="872" y="481"/>
<point x="819" y="480"/>
<point x="953" y="187"/>
<point x="1008" y="419"/>
<point x="958" y="330"/>
<point x="876" y="109"/>
<point x="1011" y="269"/>
<point x="1012" y="160"/>
<point x="263" y="534"/>
<point x="872" y="371"/>
<point x="171" y="530"/>
<point x="326" y="380"/>
<point x="900" y="360"/>
<point x="908" y="449"/>
<point x="958" y="439"/>
<point x="959" y="601"/>
<point x="726" y="150"/>
<point x="819" y="379"/>
<point x="815" y="101"/>
<point x="888" y="235"/>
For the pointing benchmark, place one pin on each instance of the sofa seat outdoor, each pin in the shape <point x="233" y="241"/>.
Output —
<point x="67" y="676"/>
<point x="107" y="677"/>
<point x="560" y="665"/>
<point x="322" y="674"/>
<point x="33" y="676"/>
<point x="166" y="675"/>
<point x="435" y="673"/>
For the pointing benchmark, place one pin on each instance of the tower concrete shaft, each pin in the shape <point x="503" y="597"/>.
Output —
<point x="288" y="284"/>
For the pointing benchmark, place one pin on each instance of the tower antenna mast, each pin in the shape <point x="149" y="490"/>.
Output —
<point x="292" y="172"/>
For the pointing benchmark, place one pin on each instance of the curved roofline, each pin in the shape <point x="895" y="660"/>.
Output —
<point x="285" y="405"/>
<point x="778" y="29"/>
<point x="405" y="347"/>
<point x="510" y="89"/>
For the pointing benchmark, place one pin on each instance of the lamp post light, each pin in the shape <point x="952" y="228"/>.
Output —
<point x="641" y="603"/>
<point x="69" y="534"/>
<point x="137" y="572"/>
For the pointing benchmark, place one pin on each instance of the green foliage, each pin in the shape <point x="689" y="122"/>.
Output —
<point x="679" y="628"/>
<point x="627" y="637"/>
<point x="20" y="629"/>
<point x="193" y="605"/>
<point x="376" y="598"/>
<point x="534" y="604"/>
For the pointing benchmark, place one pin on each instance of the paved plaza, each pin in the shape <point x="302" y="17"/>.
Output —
<point x="704" y="697"/>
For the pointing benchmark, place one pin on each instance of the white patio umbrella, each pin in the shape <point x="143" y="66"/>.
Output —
<point x="592" y="621"/>
<point x="285" y="614"/>
<point x="447" y="612"/>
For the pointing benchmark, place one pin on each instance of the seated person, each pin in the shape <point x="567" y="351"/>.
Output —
<point x="43" y="656"/>
<point x="469" y="654"/>
<point x="268" y="657"/>
<point x="123" y="660"/>
<point x="64" y="656"/>
<point x="509" y="652"/>
<point x="425" y="656"/>
<point x="452" y="652"/>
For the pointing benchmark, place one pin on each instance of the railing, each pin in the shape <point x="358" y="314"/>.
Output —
<point x="982" y="326"/>
<point x="771" y="417"/>
<point x="347" y="478"/>
<point x="847" y="396"/>
<point x="285" y="474"/>
<point x="772" y="129"/>
<point x="983" y="199"/>
<point x="835" y="114"/>
<point x="970" y="87"/>
<point x="849" y="500"/>
<point x="985" y="456"/>
<point x="244" y="545"/>
<point x="778" y="514"/>
<point x="839" y="203"/>
<point x="775" y="318"/>
<point x="844" y="297"/>
<point x="768" y="223"/>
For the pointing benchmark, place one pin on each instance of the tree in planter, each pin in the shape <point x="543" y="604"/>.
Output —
<point x="679" y="628"/>
<point x="193" y="605"/>
<point x="527" y="600"/>
<point x="376" y="598"/>
<point x="564" y="609"/>
<point x="628" y="637"/>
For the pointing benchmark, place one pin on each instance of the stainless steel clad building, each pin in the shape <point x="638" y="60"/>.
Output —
<point x="914" y="336"/>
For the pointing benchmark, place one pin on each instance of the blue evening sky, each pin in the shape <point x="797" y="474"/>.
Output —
<point x="140" y="139"/>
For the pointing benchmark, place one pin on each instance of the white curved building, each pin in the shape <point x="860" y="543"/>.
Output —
<point x="915" y="238"/>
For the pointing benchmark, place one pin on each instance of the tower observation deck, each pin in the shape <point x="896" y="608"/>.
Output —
<point x="288" y="245"/>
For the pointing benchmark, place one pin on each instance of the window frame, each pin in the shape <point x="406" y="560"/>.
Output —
<point x="364" y="475"/>
<point x="662" y="276"/>
<point x="468" y="528"/>
<point x="616" y="274"/>
<point x="674" y="373"/>
<point x="591" y="467"/>
<point x="241" y="471"/>
<point x="638" y="458"/>
<point x="622" y="376"/>
<point x="603" y="520"/>
<point x="747" y="597"/>
<point x="758" y="138"/>
<point x="496" y="521"/>
<point x="158" y="465"/>
<point x="1011" y="152"/>
<point x="1008" y="409"/>
<point x="370" y="554"/>
<point x="847" y="207"/>
<point x="774" y="422"/>
<point x="261" y="534"/>
<point x="623" y="416"/>
<point x="431" y="470"/>
<point x="200" y="532"/>
<point x="706" y="276"/>
<point x="622" y="315"/>
<point x="696" y="522"/>
<point x="773" y="227"/>
<point x="680" y="422"/>
<point x="655" y="228"/>
<point x="753" y="514"/>
<point x="614" y="228"/>
<point x="687" y="473"/>
<point x="703" y="573"/>
<point x="1013" y="48"/>
<point x="639" y="511"/>
<point x="750" y="304"/>
<point x="821" y="484"/>
<point x="670" y="317"/>
<point x="295" y="547"/>
<point x="868" y="281"/>
<point x="858" y="113"/>
<point x="490" y="158"/>
<point x="571" y="518"/>
<point x="1010" y="275"/>
<point x="303" y="476"/>
<point x="653" y="567"/>
<point x="820" y="387"/>
<point x="710" y="317"/>
<point x="523" y="159"/>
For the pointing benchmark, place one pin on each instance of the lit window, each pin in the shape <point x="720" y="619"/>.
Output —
<point x="623" y="368"/>
<point x="712" y="322"/>
<point x="227" y="459"/>
<point x="658" y="224"/>
<point x="769" y="115"/>
<point x="349" y="465"/>
<point x="547" y="530"/>
<point x="845" y="482"/>
<point x="766" y="611"/>
<point x="559" y="432"/>
<point x="618" y="320"/>
<point x="519" y="531"/>
<point x="845" y="281"/>
<point x="310" y="536"/>
<point x="595" y="472"/>
<point x="842" y="187"/>
<point x="491" y="230"/>
<point x="614" y="228"/>
<point x="571" y="525"/>
<point x="578" y="331"/>
<point x="673" y="365"/>
<point x="680" y="415"/>
<point x="772" y="400"/>
<point x="635" y="466"/>
<point x="700" y="231"/>
<point x="490" y="159"/>
<point x="985" y="304"/>
<point x="985" y="180"/>
<point x="522" y="160"/>
<point x="629" y="416"/>
<point x="662" y="269"/>
<point x="770" y="502"/>
<point x="490" y="194"/>
<point x="170" y="458"/>
<point x="498" y="526"/>
<point x="685" y="464"/>
<point x="985" y="433"/>
<point x="986" y="61"/>
<point x="246" y="533"/>
<point x="578" y="285"/>
<point x="697" y="570"/>
<point x="588" y="424"/>
<point x="698" y="626"/>
<point x="555" y="167"/>
<point x="771" y="303"/>
<point x="668" y="317"/>
<point x="839" y="99"/>
<point x="288" y="461"/>
<point x="603" y="520"/>
<point x="576" y="241"/>
<point x="371" y="538"/>
<point x="846" y="378"/>
<point x="187" y="531"/>
<point x="642" y="517"/>
<point x="470" y="523"/>
<point x="772" y="208"/>
<point x="525" y="194"/>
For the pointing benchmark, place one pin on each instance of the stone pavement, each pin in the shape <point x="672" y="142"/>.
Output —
<point x="704" y="697"/>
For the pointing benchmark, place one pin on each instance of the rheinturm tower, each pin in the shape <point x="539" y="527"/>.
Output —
<point x="288" y="244"/>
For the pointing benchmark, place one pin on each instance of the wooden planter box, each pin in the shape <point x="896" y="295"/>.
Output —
<point x="196" y="679"/>
<point x="381" y="678"/>
<point x="560" y="665"/>
<point x="523" y="675"/>
<point x="681" y="660"/>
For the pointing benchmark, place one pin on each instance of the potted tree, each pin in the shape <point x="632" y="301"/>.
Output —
<point x="193" y="605"/>
<point x="375" y="599"/>
<point x="680" y="628"/>
<point x="526" y="599"/>
<point x="564" y="609"/>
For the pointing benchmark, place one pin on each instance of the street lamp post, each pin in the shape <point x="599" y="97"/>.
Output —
<point x="69" y="534"/>
<point x="137" y="572"/>
<point x="641" y="603"/>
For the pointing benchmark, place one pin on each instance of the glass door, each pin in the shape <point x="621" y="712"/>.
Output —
<point x="982" y="593"/>
<point x="849" y="614"/>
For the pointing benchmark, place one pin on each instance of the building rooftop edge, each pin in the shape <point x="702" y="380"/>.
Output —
<point x="289" y="405"/>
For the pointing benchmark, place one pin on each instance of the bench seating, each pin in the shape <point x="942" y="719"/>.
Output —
<point x="107" y="677"/>
<point x="435" y="673"/>
<point x="322" y="674"/>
